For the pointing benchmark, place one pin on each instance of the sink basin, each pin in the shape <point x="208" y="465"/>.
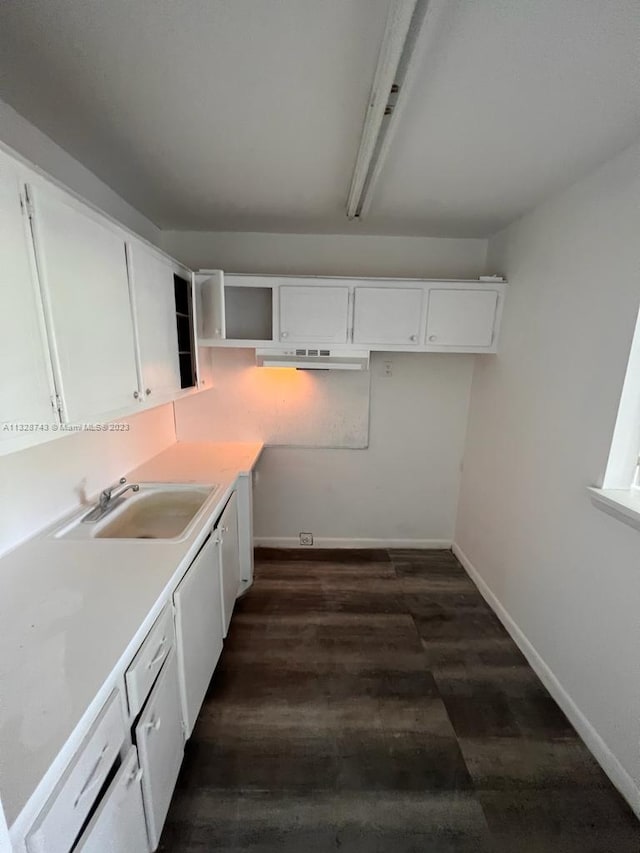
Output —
<point x="158" y="515"/>
<point x="157" y="511"/>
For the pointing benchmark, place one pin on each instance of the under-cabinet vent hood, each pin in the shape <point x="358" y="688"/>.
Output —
<point x="304" y="358"/>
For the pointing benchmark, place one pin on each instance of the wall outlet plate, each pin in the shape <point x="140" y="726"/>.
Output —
<point x="306" y="538"/>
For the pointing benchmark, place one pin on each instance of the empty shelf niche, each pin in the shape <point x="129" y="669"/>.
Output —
<point x="248" y="313"/>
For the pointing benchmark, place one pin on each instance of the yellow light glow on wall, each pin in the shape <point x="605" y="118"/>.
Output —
<point x="282" y="385"/>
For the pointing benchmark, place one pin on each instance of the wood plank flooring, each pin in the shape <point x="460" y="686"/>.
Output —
<point x="371" y="702"/>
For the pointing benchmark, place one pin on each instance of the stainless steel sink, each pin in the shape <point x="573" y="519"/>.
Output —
<point x="162" y="511"/>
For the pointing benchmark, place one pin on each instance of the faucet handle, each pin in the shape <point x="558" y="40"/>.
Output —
<point x="107" y="492"/>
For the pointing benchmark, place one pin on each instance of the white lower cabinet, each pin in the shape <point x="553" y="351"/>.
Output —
<point x="144" y="668"/>
<point x="229" y="559"/>
<point x="244" y="494"/>
<point x="116" y="792"/>
<point x="198" y="609"/>
<point x="160" y="739"/>
<point x="58" y="824"/>
<point x="118" y="826"/>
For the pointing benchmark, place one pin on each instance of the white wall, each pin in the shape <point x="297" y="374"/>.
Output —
<point x="327" y="254"/>
<point x="303" y="408"/>
<point x="404" y="486"/>
<point x="31" y="144"/>
<point x="541" y="420"/>
<point x="40" y="484"/>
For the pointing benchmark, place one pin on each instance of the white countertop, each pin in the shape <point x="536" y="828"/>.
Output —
<point x="73" y="611"/>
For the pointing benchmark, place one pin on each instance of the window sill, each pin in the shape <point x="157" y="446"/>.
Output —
<point x="623" y="504"/>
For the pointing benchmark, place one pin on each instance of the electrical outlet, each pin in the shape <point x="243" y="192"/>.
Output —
<point x="306" y="538"/>
<point x="388" y="368"/>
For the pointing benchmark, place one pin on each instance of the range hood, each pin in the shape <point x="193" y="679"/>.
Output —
<point x="311" y="358"/>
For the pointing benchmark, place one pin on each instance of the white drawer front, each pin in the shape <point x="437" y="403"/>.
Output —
<point x="148" y="661"/>
<point x="59" y="822"/>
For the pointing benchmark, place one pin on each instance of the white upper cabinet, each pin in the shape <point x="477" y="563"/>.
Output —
<point x="235" y="308"/>
<point x="210" y="306"/>
<point x="388" y="315"/>
<point x="311" y="314"/>
<point x="375" y="314"/>
<point x="153" y="299"/>
<point x="83" y="271"/>
<point x="26" y="388"/>
<point x="461" y="318"/>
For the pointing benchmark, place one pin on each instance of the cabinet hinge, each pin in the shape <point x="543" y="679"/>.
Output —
<point x="56" y="405"/>
<point x="26" y="203"/>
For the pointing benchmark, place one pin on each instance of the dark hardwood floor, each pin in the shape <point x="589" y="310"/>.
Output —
<point x="371" y="702"/>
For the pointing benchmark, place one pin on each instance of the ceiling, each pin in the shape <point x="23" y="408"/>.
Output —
<point x="246" y="114"/>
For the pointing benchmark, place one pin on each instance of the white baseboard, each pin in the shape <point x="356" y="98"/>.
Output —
<point x="326" y="542"/>
<point x="603" y="755"/>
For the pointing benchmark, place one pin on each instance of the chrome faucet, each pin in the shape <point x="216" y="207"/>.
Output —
<point x="110" y="498"/>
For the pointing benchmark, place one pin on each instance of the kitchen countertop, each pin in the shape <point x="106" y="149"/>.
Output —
<point x="72" y="612"/>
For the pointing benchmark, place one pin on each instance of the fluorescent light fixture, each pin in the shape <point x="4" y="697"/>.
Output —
<point x="394" y="70"/>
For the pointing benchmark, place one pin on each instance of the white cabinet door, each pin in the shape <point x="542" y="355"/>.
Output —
<point x="118" y="826"/>
<point x="314" y="314"/>
<point x="86" y="292"/>
<point x="25" y="373"/>
<point x="461" y="318"/>
<point x="244" y="493"/>
<point x="229" y="559"/>
<point x="210" y="306"/>
<point x="65" y="812"/>
<point x="388" y="315"/>
<point x="154" y="306"/>
<point x="160" y="746"/>
<point x="198" y="603"/>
